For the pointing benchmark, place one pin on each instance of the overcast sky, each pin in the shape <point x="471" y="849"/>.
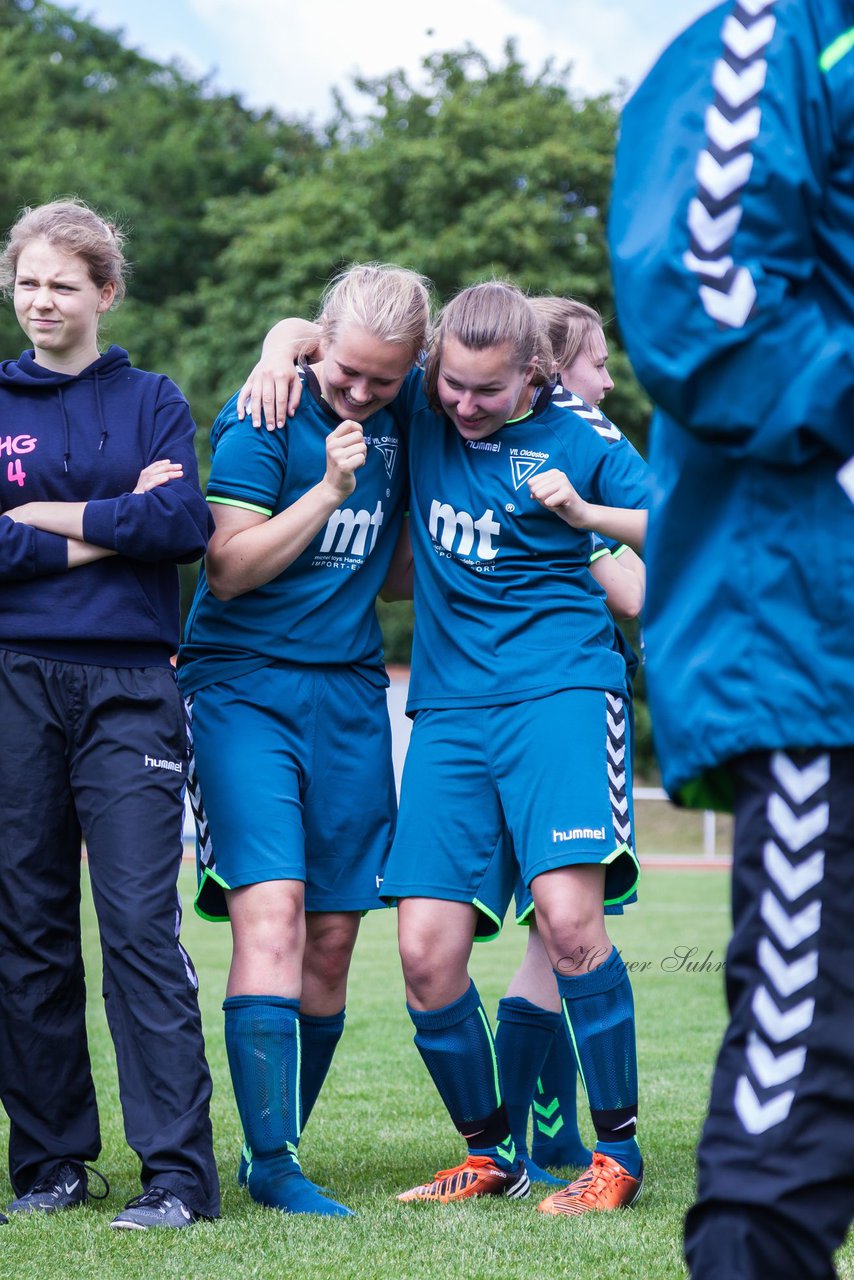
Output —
<point x="290" y="53"/>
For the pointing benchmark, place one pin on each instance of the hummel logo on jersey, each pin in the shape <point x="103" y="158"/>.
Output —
<point x="388" y="447"/>
<point x="523" y="463"/>
<point x="489" y="446"/>
<point x="351" y="528"/>
<point x="174" y="766"/>
<point x="578" y="833"/>
<point x="459" y="527"/>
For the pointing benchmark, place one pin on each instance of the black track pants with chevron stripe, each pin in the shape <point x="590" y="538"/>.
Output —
<point x="776" y="1159"/>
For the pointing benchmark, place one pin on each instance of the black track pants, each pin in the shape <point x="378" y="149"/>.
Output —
<point x="99" y="751"/>
<point x="776" y="1160"/>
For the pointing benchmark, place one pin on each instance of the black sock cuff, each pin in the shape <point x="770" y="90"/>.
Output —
<point x="493" y="1130"/>
<point x="618" y="1125"/>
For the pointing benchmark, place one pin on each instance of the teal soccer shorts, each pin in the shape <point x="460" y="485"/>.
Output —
<point x="295" y="772"/>
<point x="492" y="793"/>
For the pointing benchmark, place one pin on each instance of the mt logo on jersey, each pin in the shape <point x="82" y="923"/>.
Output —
<point x="351" y="528"/>
<point x="455" y="531"/>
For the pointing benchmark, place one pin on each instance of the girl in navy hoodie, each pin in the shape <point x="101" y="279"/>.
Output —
<point x="99" y="503"/>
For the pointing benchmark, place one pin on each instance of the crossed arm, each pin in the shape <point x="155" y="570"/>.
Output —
<point x="65" y="519"/>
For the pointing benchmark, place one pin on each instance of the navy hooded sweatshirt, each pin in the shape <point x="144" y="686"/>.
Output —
<point x="85" y="438"/>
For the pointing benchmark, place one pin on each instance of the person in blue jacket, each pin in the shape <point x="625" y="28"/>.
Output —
<point x="732" y="235"/>
<point x="100" y="502"/>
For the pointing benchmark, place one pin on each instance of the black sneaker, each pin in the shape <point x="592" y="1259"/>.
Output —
<point x="156" y="1207"/>
<point x="65" y="1186"/>
<point x="3" y="1219"/>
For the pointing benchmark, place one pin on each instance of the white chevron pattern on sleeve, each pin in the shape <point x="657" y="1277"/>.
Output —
<point x="733" y="306"/>
<point x="721" y="180"/>
<point x="728" y="134"/>
<point x="755" y="7"/>
<point x="845" y="476"/>
<point x="738" y="87"/>
<point x="712" y="232"/>
<point x="746" y="42"/>
<point x="726" y="290"/>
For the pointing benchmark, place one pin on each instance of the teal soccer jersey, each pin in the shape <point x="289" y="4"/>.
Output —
<point x="505" y="607"/>
<point x="321" y="608"/>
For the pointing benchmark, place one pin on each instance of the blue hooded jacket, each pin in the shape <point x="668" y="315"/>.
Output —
<point x="732" y="237"/>
<point x="85" y="438"/>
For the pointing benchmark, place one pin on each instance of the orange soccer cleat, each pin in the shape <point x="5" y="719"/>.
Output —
<point x="605" y="1185"/>
<point x="477" y="1176"/>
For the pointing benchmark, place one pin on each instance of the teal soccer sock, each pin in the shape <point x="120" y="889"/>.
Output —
<point x="556" y="1141"/>
<point x="319" y="1037"/>
<point x="523" y="1040"/>
<point x="262" y="1039"/>
<point x="458" y="1050"/>
<point x="600" y="1015"/>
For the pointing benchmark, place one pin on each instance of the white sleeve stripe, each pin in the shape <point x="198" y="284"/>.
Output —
<point x="727" y="291"/>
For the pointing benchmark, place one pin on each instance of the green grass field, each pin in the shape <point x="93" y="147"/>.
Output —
<point x="379" y="1127"/>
